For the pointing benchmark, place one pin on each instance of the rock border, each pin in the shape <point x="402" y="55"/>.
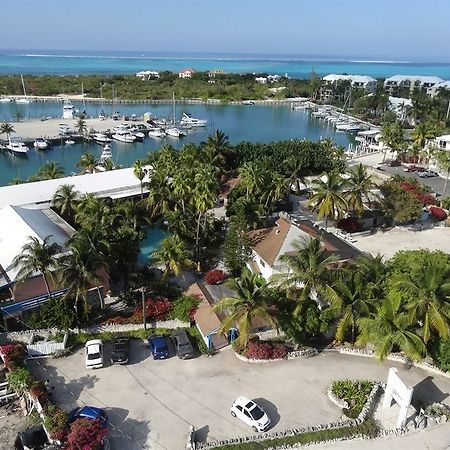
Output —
<point x="306" y="353"/>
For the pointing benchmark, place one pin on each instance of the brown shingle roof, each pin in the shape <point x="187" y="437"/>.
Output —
<point x="267" y="242"/>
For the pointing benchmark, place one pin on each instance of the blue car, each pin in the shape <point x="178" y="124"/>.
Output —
<point x="89" y="412"/>
<point x="158" y="347"/>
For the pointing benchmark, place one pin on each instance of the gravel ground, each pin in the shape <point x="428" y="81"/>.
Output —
<point x="11" y="422"/>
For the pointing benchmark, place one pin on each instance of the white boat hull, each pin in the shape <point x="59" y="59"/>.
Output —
<point x="19" y="150"/>
<point x="128" y="138"/>
<point x="40" y="145"/>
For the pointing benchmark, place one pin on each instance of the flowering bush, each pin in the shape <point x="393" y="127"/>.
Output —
<point x="155" y="309"/>
<point x="257" y="349"/>
<point x="56" y="422"/>
<point x="184" y="308"/>
<point x="86" y="434"/>
<point x="215" y="276"/>
<point x="13" y="355"/>
<point x="418" y="191"/>
<point x="39" y="392"/>
<point x="438" y="213"/>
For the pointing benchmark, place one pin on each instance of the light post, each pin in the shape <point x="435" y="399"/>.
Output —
<point x="143" y="307"/>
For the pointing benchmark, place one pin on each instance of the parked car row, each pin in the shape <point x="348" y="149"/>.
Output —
<point x="158" y="345"/>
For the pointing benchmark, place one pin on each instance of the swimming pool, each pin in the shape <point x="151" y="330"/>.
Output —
<point x="152" y="241"/>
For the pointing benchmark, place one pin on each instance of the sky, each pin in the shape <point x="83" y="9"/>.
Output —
<point x="401" y="30"/>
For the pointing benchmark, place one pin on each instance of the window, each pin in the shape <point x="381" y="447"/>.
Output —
<point x="262" y="263"/>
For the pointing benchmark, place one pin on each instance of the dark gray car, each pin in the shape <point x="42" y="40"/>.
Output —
<point x="182" y="344"/>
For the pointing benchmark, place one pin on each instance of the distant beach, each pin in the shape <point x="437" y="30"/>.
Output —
<point x="57" y="63"/>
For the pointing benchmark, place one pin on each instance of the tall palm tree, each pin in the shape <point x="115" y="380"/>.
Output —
<point x="328" y="200"/>
<point x="50" y="171"/>
<point x="173" y="255"/>
<point x="421" y="133"/>
<point x="353" y="302"/>
<point x="7" y="128"/>
<point x="375" y="272"/>
<point x="77" y="271"/>
<point x="252" y="177"/>
<point x="37" y="257"/>
<point x="218" y="149"/>
<point x="294" y="166"/>
<point x="247" y="304"/>
<point x="310" y="274"/>
<point x="159" y="196"/>
<point x="359" y="185"/>
<point x="140" y="172"/>
<point x="65" y="199"/>
<point x="443" y="158"/>
<point x="390" y="330"/>
<point x="427" y="291"/>
<point x="392" y="136"/>
<point x="81" y="126"/>
<point x="87" y="162"/>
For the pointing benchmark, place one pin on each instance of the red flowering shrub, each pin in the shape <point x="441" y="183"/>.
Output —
<point x="56" y="422"/>
<point x="349" y="224"/>
<point x="421" y="193"/>
<point x="39" y="392"/>
<point x="155" y="309"/>
<point x="85" y="434"/>
<point x="257" y="349"/>
<point x="438" y="213"/>
<point x="215" y="276"/>
<point x="13" y="355"/>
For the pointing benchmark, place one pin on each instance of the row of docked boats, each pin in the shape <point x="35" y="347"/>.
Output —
<point x="342" y="122"/>
<point x="18" y="147"/>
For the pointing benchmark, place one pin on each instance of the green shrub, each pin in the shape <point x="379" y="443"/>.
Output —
<point x="20" y="379"/>
<point x="198" y="340"/>
<point x="56" y="421"/>
<point x="355" y="393"/>
<point x="183" y="307"/>
<point x="368" y="429"/>
<point x="440" y="352"/>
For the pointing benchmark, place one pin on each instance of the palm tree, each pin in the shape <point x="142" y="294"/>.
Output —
<point x="443" y="158"/>
<point x="392" y="136"/>
<point x="247" y="304"/>
<point x="140" y="172"/>
<point x="294" y="166"/>
<point x="77" y="271"/>
<point x="159" y="195"/>
<point x="252" y="177"/>
<point x="310" y="274"/>
<point x="389" y="330"/>
<point x="218" y="149"/>
<point x="173" y="255"/>
<point x="81" y="126"/>
<point x="353" y="302"/>
<point x="87" y="162"/>
<point x="16" y="180"/>
<point x="37" y="256"/>
<point x="65" y="199"/>
<point x="427" y="291"/>
<point x="50" y="171"/>
<point x="329" y="199"/>
<point x="375" y="273"/>
<point x="421" y="133"/>
<point x="359" y="186"/>
<point x="7" y="128"/>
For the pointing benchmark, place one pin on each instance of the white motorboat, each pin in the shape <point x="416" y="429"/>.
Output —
<point x="156" y="132"/>
<point x="17" y="147"/>
<point x="248" y="102"/>
<point x="5" y="100"/>
<point x="173" y="132"/>
<point x="188" y="120"/>
<point x="101" y="138"/>
<point x="69" y="142"/>
<point x="139" y="135"/>
<point x="40" y="144"/>
<point x="106" y="153"/>
<point x="65" y="129"/>
<point x="68" y="110"/>
<point x="124" y="135"/>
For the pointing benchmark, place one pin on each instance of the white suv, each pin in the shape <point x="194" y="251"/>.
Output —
<point x="94" y="354"/>
<point x="250" y="413"/>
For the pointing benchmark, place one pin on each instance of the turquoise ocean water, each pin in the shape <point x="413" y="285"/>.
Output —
<point x="44" y="62"/>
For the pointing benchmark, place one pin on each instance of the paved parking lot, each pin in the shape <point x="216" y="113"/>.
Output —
<point x="152" y="403"/>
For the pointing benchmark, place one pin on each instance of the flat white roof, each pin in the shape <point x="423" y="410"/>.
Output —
<point x="17" y="224"/>
<point x="422" y="79"/>
<point x="353" y="78"/>
<point x="114" y="183"/>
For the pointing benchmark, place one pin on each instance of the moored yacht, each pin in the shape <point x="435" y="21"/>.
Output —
<point x="188" y="120"/>
<point x="40" y="144"/>
<point x="17" y="147"/>
<point x="106" y="153"/>
<point x="156" y="132"/>
<point x="173" y="132"/>
<point x="123" y="135"/>
<point x="101" y="138"/>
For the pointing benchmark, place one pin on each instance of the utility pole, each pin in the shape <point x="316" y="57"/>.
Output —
<point x="143" y="308"/>
<point x="448" y="109"/>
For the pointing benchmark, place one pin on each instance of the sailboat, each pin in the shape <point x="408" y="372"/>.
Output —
<point x="173" y="131"/>
<point x="24" y="100"/>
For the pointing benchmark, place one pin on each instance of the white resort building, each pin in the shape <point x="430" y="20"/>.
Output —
<point x="146" y="75"/>
<point x="397" y="82"/>
<point x="186" y="73"/>
<point x="330" y="82"/>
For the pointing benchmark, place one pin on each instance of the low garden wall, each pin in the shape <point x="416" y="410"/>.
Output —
<point x="305" y="353"/>
<point x="45" y="348"/>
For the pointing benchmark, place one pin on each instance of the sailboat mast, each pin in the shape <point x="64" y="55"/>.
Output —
<point x="173" y="108"/>
<point x="23" y="85"/>
<point x="82" y="94"/>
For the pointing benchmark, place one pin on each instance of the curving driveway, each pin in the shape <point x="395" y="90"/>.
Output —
<point x="152" y="403"/>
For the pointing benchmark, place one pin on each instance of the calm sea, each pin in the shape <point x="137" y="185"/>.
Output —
<point x="241" y="123"/>
<point x="49" y="63"/>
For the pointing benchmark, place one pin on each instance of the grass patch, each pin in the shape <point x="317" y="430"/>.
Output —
<point x="367" y="428"/>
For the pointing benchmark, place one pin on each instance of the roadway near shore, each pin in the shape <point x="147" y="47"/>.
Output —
<point x="150" y="404"/>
